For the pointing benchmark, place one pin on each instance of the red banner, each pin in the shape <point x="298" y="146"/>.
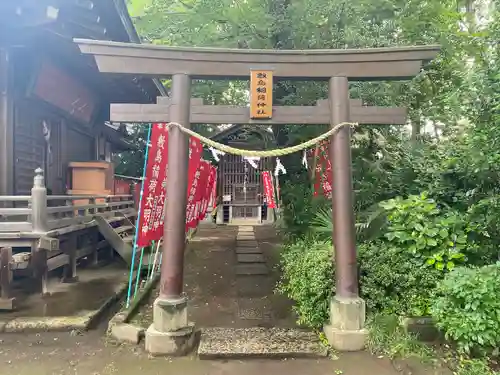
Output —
<point x="154" y="193"/>
<point x="323" y="170"/>
<point x="153" y="188"/>
<point x="214" y="191"/>
<point x="198" y="188"/>
<point x="326" y="178"/>
<point x="267" y="181"/>
<point x="208" y="192"/>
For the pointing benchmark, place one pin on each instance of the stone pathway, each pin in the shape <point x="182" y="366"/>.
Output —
<point x="254" y="288"/>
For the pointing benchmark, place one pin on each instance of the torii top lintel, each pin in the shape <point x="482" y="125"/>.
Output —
<point x="369" y="64"/>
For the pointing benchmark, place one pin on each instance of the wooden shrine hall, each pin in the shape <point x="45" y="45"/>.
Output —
<point x="170" y="331"/>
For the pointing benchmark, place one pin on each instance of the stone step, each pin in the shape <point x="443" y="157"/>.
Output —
<point x="250" y="258"/>
<point x="259" y="342"/>
<point x="245" y="229"/>
<point x="248" y="250"/>
<point x="252" y="269"/>
<point x="245" y="237"/>
<point x="247" y="243"/>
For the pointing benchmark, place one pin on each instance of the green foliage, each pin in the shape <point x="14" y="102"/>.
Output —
<point x="395" y="282"/>
<point x="307" y="279"/>
<point x="473" y="366"/>
<point x="389" y="338"/>
<point x="468" y="308"/>
<point x="439" y="237"/>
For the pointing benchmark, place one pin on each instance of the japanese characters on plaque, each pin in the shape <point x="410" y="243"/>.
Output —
<point x="261" y="94"/>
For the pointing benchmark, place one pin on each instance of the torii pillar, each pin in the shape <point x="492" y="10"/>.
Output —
<point x="170" y="332"/>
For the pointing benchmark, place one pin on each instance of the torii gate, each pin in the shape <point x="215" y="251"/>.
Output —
<point x="170" y="332"/>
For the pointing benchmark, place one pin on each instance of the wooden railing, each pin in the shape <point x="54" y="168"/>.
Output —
<point x="40" y="213"/>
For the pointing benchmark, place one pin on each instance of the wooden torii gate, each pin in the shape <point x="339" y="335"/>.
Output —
<point x="170" y="332"/>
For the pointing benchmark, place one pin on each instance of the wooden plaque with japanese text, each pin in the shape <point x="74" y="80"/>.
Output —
<point x="261" y="94"/>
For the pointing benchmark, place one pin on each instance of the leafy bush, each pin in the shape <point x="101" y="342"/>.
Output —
<point x="468" y="308"/>
<point x="438" y="237"/>
<point x="394" y="281"/>
<point x="308" y="279"/>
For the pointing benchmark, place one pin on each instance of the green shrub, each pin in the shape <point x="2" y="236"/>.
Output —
<point x="308" y="280"/>
<point x="394" y="281"/>
<point x="437" y="236"/>
<point x="467" y="308"/>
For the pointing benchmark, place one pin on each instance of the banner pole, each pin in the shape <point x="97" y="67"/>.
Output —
<point x="129" y="292"/>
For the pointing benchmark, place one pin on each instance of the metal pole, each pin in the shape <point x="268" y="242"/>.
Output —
<point x="174" y="237"/>
<point x="342" y="195"/>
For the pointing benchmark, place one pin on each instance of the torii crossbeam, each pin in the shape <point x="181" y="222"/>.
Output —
<point x="228" y="114"/>
<point x="170" y="332"/>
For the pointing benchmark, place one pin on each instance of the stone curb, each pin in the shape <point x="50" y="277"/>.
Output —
<point x="119" y="327"/>
<point x="80" y="322"/>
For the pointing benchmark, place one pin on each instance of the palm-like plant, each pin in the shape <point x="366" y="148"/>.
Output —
<point x="371" y="225"/>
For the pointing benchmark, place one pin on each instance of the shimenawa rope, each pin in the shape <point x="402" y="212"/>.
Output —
<point x="262" y="154"/>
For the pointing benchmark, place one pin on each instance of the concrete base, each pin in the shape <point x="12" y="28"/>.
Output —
<point x="346" y="330"/>
<point x="170" y="343"/>
<point x="219" y="218"/>
<point x="7" y="304"/>
<point x="127" y="333"/>
<point x="70" y="280"/>
<point x="170" y="333"/>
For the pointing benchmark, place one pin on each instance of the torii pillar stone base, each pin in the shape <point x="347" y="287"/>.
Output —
<point x="346" y="331"/>
<point x="170" y="334"/>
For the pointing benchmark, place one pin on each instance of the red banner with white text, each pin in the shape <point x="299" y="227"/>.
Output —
<point x="322" y="174"/>
<point x="154" y="193"/>
<point x="327" y="176"/>
<point x="267" y="181"/>
<point x="207" y="196"/>
<point x="196" y="193"/>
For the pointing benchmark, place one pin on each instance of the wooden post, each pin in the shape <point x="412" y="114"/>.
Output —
<point x="71" y="246"/>
<point x="342" y="195"/>
<point x="7" y="302"/>
<point x="175" y="212"/>
<point x="345" y="331"/>
<point x="171" y="332"/>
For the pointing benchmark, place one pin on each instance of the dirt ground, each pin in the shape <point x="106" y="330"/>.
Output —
<point x="215" y="299"/>
<point x="91" y="354"/>
<point x="220" y="298"/>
